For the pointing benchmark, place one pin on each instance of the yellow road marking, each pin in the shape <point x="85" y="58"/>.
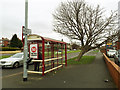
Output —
<point x="11" y="75"/>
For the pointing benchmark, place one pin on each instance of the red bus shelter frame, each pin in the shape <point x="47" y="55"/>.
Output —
<point x="39" y="39"/>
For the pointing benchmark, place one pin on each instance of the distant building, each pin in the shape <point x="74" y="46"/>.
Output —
<point x="4" y="42"/>
<point x="118" y="44"/>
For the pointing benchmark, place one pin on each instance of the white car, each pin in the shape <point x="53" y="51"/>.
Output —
<point x="14" y="61"/>
<point x="111" y="52"/>
<point x="116" y="58"/>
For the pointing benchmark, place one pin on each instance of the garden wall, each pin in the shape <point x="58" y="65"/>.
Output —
<point x="114" y="70"/>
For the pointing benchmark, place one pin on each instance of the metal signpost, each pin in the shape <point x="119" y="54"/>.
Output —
<point x="25" y="32"/>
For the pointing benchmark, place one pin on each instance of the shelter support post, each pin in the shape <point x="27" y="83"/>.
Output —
<point x="43" y="56"/>
<point x="57" y="54"/>
<point x="65" y="54"/>
<point x="62" y="54"/>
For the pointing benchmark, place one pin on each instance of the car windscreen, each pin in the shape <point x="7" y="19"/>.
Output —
<point x="17" y="56"/>
<point x="112" y="50"/>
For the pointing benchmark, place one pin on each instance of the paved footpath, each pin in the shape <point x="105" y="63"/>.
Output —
<point x="73" y="76"/>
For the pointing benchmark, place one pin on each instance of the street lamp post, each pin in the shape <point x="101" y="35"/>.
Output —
<point x="25" y="43"/>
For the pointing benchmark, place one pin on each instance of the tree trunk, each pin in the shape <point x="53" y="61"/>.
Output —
<point x="80" y="55"/>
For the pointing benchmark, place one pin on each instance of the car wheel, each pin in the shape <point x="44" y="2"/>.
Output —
<point x="16" y="65"/>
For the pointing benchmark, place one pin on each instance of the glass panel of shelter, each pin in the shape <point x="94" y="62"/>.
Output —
<point x="52" y="50"/>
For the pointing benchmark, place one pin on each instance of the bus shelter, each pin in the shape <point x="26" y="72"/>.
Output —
<point x="54" y="53"/>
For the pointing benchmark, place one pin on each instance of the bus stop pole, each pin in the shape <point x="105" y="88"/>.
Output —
<point x="25" y="44"/>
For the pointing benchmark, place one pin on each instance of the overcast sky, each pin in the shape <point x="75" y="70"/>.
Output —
<point x="40" y="18"/>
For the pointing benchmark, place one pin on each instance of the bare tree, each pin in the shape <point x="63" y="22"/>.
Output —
<point x="80" y="21"/>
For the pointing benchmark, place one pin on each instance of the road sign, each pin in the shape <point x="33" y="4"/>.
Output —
<point x="34" y="51"/>
<point x="26" y="31"/>
<point x="109" y="43"/>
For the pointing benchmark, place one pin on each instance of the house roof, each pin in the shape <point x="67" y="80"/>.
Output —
<point x="4" y="39"/>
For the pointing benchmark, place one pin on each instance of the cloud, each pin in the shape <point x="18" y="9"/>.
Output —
<point x="39" y="16"/>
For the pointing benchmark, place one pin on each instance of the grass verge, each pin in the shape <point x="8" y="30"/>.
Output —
<point x="95" y="51"/>
<point x="84" y="60"/>
<point x="73" y="51"/>
<point x="55" y="53"/>
<point x="1" y="57"/>
<point x="6" y="56"/>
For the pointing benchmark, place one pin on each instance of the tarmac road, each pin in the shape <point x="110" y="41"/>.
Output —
<point x="73" y="76"/>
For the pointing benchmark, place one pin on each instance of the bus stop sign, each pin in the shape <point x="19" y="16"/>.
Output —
<point x="34" y="51"/>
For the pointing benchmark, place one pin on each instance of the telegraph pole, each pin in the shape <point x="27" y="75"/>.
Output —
<point x="25" y="43"/>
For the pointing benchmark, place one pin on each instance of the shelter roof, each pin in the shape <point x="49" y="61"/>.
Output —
<point x="35" y="37"/>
